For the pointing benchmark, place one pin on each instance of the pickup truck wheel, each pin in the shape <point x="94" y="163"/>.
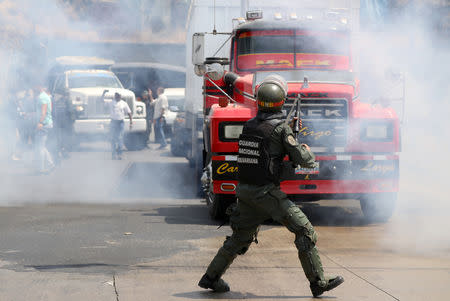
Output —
<point x="378" y="207"/>
<point x="218" y="204"/>
<point x="135" y="141"/>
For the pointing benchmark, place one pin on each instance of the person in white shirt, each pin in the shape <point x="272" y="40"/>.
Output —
<point x="118" y="109"/>
<point x="161" y="107"/>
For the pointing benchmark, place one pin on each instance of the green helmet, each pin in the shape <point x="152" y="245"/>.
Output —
<point x="271" y="94"/>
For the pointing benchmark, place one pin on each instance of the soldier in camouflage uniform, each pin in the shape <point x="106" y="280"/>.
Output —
<point x="265" y="141"/>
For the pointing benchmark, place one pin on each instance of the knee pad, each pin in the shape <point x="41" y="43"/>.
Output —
<point x="295" y="220"/>
<point x="239" y="242"/>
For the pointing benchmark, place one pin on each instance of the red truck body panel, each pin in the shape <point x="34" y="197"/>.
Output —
<point x="356" y="144"/>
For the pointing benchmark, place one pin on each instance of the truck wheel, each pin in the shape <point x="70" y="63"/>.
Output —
<point x="218" y="204"/>
<point x="176" y="150"/>
<point x="378" y="207"/>
<point x="176" y="146"/>
<point x="135" y="141"/>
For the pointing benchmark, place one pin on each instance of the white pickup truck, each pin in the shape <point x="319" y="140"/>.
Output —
<point x="88" y="91"/>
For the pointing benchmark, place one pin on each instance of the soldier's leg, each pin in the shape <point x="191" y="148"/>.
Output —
<point x="296" y="221"/>
<point x="236" y="244"/>
<point x="244" y="230"/>
<point x="305" y="241"/>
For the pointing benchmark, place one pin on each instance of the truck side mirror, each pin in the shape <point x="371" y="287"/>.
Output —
<point x="214" y="71"/>
<point x="198" y="48"/>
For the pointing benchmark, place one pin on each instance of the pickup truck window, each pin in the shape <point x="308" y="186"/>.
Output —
<point x="93" y="80"/>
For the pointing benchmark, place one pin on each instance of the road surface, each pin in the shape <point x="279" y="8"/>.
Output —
<point x="98" y="229"/>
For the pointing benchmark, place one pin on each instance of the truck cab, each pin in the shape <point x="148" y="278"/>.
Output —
<point x="356" y="143"/>
<point x="88" y="91"/>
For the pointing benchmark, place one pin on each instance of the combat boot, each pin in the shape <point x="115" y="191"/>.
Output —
<point x="217" y="285"/>
<point x="321" y="286"/>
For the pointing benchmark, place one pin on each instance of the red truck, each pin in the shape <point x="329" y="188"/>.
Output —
<point x="356" y="143"/>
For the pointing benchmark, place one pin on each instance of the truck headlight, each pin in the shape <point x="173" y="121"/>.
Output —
<point x="79" y="109"/>
<point x="233" y="131"/>
<point x="230" y="131"/>
<point x="377" y="131"/>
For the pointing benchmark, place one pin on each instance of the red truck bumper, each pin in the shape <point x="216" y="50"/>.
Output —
<point x="321" y="187"/>
<point x="339" y="175"/>
<point x="340" y="186"/>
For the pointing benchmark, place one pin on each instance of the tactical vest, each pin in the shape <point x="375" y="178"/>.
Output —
<point x="255" y="165"/>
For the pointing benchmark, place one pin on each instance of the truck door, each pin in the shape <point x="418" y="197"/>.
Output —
<point x="59" y="88"/>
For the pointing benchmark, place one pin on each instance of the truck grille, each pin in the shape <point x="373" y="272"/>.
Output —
<point x="324" y="121"/>
<point x="97" y="107"/>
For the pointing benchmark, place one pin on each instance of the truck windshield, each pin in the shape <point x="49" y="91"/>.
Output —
<point x="292" y="49"/>
<point x="93" y="80"/>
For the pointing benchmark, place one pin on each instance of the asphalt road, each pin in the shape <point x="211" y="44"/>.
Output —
<point x="98" y="229"/>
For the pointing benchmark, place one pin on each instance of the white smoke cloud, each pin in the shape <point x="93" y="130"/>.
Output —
<point x="412" y="44"/>
<point x="409" y="44"/>
<point x="32" y="33"/>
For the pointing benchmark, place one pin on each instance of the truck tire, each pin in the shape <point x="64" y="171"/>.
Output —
<point x="378" y="208"/>
<point x="218" y="204"/>
<point x="177" y="147"/>
<point x="135" y="141"/>
<point x="176" y="150"/>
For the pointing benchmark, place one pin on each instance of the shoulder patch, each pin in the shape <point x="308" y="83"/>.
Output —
<point x="292" y="140"/>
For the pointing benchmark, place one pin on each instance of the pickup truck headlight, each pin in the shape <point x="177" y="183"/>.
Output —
<point x="79" y="109"/>
<point x="377" y="131"/>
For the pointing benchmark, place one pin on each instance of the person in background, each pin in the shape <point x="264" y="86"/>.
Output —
<point x="161" y="107"/>
<point x="9" y="126"/>
<point x="149" y="105"/>
<point x="63" y="126"/>
<point x="118" y="109"/>
<point x="43" y="127"/>
<point x="25" y="108"/>
<point x="29" y="106"/>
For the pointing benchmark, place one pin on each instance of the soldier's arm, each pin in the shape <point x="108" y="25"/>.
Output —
<point x="299" y="154"/>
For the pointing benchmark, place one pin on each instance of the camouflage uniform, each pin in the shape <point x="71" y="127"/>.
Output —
<point x="263" y="144"/>
<point x="257" y="204"/>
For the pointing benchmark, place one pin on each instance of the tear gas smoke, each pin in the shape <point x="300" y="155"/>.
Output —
<point x="415" y="43"/>
<point x="33" y="33"/>
<point x="409" y="44"/>
<point x="412" y="45"/>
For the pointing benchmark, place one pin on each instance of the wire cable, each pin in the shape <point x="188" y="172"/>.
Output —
<point x="367" y="281"/>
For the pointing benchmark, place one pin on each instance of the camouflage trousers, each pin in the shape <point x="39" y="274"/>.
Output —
<point x="255" y="205"/>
